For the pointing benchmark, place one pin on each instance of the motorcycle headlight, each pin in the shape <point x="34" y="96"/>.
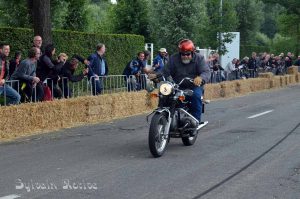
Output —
<point x="165" y="89"/>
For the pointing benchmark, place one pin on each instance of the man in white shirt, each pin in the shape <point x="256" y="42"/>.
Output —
<point x="229" y="69"/>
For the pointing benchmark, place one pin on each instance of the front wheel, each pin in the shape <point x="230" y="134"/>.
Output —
<point x="158" y="141"/>
<point x="189" y="140"/>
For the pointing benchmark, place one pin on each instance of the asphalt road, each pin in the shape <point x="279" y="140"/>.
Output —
<point x="234" y="157"/>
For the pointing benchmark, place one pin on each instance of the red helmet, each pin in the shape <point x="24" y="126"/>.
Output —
<point x="186" y="45"/>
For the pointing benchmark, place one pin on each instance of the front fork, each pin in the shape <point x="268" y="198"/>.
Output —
<point x="169" y="120"/>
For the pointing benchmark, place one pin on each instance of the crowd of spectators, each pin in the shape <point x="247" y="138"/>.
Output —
<point x="250" y="67"/>
<point x="41" y="76"/>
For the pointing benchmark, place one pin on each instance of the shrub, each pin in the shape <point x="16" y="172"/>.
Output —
<point x="120" y="47"/>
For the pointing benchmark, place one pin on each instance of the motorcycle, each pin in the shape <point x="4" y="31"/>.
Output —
<point x="171" y="119"/>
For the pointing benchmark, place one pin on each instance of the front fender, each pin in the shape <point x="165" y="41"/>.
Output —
<point x="160" y="110"/>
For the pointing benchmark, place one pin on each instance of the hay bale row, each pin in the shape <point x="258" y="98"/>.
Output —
<point x="212" y="91"/>
<point x="292" y="79"/>
<point x="283" y="81"/>
<point x="266" y="75"/>
<point x="228" y="89"/>
<point x="242" y="86"/>
<point x="30" y="118"/>
<point x="297" y="76"/>
<point x="293" y="70"/>
<point x="275" y="82"/>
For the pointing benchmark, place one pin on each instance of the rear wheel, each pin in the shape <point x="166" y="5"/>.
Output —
<point x="157" y="139"/>
<point x="189" y="140"/>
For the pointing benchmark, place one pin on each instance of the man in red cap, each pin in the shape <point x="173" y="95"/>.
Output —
<point x="187" y="63"/>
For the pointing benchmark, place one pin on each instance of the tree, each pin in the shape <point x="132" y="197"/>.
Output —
<point x="131" y="17"/>
<point x="271" y="14"/>
<point x="175" y="20"/>
<point x="249" y="14"/>
<point x="76" y="18"/>
<point x="41" y="19"/>
<point x="99" y="17"/>
<point x="221" y="20"/>
<point x="289" y="21"/>
<point x="14" y="13"/>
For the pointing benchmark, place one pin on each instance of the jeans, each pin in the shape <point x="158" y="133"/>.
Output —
<point x="11" y="94"/>
<point x="196" y="103"/>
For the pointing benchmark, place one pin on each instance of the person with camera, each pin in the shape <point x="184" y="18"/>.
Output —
<point x="67" y="74"/>
<point x="49" y="68"/>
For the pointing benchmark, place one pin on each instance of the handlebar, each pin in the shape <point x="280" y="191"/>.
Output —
<point x="186" y="78"/>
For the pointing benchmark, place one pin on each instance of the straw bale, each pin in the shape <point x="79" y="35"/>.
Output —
<point x="228" y="89"/>
<point x="291" y="79"/>
<point x="212" y="91"/>
<point x="292" y="70"/>
<point x="283" y="81"/>
<point x="258" y="84"/>
<point x="298" y="77"/>
<point x="30" y="117"/>
<point x="243" y="86"/>
<point x="75" y="111"/>
<point x="266" y="75"/>
<point x="275" y="82"/>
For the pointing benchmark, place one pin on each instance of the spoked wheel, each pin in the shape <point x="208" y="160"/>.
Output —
<point x="158" y="141"/>
<point x="189" y="140"/>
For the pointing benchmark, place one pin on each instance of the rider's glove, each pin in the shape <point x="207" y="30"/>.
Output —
<point x="198" y="81"/>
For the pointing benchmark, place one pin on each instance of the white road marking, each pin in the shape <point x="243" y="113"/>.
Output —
<point x="260" y="114"/>
<point x="13" y="196"/>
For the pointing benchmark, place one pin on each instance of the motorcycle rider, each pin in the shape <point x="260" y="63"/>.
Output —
<point x="188" y="63"/>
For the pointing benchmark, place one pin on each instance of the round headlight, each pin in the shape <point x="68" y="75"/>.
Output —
<point x="165" y="89"/>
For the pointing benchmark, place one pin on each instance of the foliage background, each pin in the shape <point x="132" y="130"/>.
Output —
<point x="263" y="24"/>
<point x="120" y="48"/>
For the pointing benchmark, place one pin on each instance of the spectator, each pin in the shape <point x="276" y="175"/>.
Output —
<point x="252" y="65"/>
<point x="297" y="62"/>
<point x="230" y="70"/>
<point x="7" y="91"/>
<point x="30" y="85"/>
<point x="147" y="57"/>
<point x="37" y="42"/>
<point x="67" y="74"/>
<point x="266" y="64"/>
<point x="244" y="68"/>
<point x="132" y="71"/>
<point x="14" y="63"/>
<point x="218" y="71"/>
<point x="49" y="69"/>
<point x="288" y="60"/>
<point x="160" y="60"/>
<point x="98" y="69"/>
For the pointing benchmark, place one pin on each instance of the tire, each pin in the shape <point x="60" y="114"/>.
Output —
<point x="157" y="142"/>
<point x="189" y="140"/>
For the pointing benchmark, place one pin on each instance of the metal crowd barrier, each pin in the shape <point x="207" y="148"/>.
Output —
<point x="120" y="83"/>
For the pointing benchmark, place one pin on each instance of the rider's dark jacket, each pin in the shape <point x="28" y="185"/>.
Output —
<point x="177" y="70"/>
